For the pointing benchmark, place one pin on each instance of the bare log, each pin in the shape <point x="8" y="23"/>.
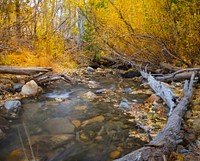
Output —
<point x="23" y="71"/>
<point x="161" y="90"/>
<point x="167" y="139"/>
<point x="41" y="75"/>
<point x="179" y="75"/>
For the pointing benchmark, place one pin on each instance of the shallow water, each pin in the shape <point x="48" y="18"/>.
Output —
<point x="62" y="125"/>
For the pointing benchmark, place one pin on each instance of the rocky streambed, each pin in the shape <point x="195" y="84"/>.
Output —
<point x="95" y="120"/>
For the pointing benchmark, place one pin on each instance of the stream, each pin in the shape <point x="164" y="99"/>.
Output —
<point x="63" y="125"/>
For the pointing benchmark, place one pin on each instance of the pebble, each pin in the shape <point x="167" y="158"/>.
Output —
<point x="154" y="108"/>
<point x="115" y="154"/>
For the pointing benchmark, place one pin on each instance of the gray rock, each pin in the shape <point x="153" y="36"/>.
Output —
<point x="59" y="126"/>
<point x="13" y="105"/>
<point x="126" y="90"/>
<point x="18" y="87"/>
<point x="90" y="69"/>
<point x="154" y="108"/>
<point x="124" y="105"/>
<point x="30" y="88"/>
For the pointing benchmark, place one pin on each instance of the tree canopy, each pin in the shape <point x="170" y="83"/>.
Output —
<point x="38" y="32"/>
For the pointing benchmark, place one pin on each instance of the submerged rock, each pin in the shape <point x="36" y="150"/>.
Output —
<point x="76" y="123"/>
<point x="89" y="95"/>
<point x="59" y="126"/>
<point x="30" y="88"/>
<point x="115" y="154"/>
<point x="13" y="105"/>
<point x="55" y="139"/>
<point x="93" y="120"/>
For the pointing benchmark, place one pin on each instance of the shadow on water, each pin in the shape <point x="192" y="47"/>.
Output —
<point x="63" y="126"/>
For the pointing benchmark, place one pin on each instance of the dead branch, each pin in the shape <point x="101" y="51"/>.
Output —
<point x="179" y="75"/>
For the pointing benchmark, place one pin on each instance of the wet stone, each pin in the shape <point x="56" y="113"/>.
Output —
<point x="59" y="126"/>
<point x="13" y="105"/>
<point x="17" y="87"/>
<point x="115" y="154"/>
<point x="89" y="95"/>
<point x="93" y="120"/>
<point x="51" y="139"/>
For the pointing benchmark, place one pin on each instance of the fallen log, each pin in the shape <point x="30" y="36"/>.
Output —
<point x="41" y="75"/>
<point x="161" y="90"/>
<point x="169" y="67"/>
<point x="23" y="71"/>
<point x="179" y="75"/>
<point x="167" y="139"/>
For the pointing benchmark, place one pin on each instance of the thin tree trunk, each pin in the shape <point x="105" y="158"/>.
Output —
<point x="18" y="24"/>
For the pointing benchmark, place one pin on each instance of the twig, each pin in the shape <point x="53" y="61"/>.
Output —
<point x="29" y="141"/>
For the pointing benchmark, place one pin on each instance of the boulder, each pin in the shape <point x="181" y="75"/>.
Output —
<point x="13" y="105"/>
<point x="30" y="88"/>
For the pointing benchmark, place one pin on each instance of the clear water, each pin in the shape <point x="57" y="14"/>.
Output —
<point x="55" y="124"/>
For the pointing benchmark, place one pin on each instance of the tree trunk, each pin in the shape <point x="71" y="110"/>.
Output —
<point x="18" y="24"/>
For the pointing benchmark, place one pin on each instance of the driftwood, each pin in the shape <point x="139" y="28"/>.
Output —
<point x="41" y="75"/>
<point x="167" y="139"/>
<point x="161" y="90"/>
